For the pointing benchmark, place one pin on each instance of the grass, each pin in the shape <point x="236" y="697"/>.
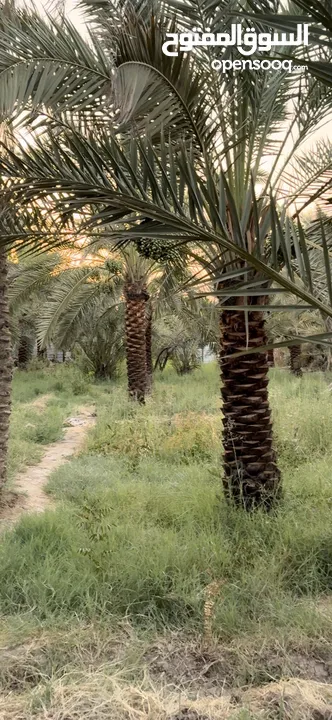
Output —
<point x="142" y="531"/>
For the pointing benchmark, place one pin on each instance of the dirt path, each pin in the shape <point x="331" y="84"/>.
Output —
<point x="29" y="484"/>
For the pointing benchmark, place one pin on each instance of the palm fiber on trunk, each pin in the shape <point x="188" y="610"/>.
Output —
<point x="6" y="366"/>
<point x="251" y="475"/>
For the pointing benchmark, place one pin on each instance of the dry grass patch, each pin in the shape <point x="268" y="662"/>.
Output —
<point x="292" y="699"/>
<point x="97" y="696"/>
<point x="94" y="673"/>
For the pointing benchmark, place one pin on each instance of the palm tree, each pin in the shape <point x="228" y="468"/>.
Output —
<point x="80" y="303"/>
<point x="136" y="299"/>
<point x="70" y="307"/>
<point x="295" y="360"/>
<point x="200" y="178"/>
<point x="182" y="333"/>
<point x="284" y="326"/>
<point x="5" y="367"/>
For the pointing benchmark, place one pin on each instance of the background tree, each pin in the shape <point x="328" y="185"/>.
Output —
<point x="182" y="334"/>
<point x="82" y="301"/>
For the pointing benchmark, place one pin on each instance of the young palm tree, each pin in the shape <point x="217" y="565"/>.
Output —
<point x="72" y="306"/>
<point x="284" y="326"/>
<point x="182" y="333"/>
<point x="215" y="173"/>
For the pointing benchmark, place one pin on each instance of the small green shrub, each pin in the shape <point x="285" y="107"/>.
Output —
<point x="44" y="428"/>
<point x="69" y="378"/>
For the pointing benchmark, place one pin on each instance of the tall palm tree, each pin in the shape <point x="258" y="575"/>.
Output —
<point x="5" y="366"/>
<point x="99" y="290"/>
<point x="223" y="252"/>
<point x="201" y="177"/>
<point x="136" y="299"/>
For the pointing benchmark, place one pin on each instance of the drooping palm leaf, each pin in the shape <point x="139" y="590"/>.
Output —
<point x="318" y="15"/>
<point x="96" y="177"/>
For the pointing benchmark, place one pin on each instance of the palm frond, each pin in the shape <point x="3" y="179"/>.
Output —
<point x="77" y="175"/>
<point x="66" y="304"/>
<point x="31" y="276"/>
<point x="45" y="63"/>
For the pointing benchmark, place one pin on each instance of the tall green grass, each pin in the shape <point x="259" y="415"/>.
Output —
<point x="142" y="527"/>
<point x="90" y="593"/>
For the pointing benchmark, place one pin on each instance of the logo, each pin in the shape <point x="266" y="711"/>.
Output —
<point x="246" y="41"/>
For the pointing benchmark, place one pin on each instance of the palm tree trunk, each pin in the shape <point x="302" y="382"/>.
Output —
<point x="6" y="367"/>
<point x="270" y="357"/>
<point x="136" y="297"/>
<point x="251" y="476"/>
<point x="24" y="353"/>
<point x="295" y="360"/>
<point x="148" y="344"/>
<point x="328" y="325"/>
<point x="41" y="352"/>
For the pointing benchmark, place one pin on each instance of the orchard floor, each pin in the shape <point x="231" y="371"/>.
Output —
<point x="139" y="593"/>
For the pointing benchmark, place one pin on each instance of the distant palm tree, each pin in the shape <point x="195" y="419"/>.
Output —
<point x="99" y="291"/>
<point x="182" y="334"/>
<point x="284" y="326"/>
<point x="5" y="367"/>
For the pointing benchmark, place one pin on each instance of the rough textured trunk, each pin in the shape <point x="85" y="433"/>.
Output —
<point x="41" y="352"/>
<point x="251" y="476"/>
<point x="101" y="372"/>
<point x="5" y="367"/>
<point x="270" y="358"/>
<point x="295" y="360"/>
<point x="136" y="298"/>
<point x="148" y="345"/>
<point x="328" y="325"/>
<point x="24" y="352"/>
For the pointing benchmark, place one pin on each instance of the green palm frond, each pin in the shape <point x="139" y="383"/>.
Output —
<point x="65" y="304"/>
<point x="99" y="335"/>
<point x="318" y="15"/>
<point x="29" y="277"/>
<point x="309" y="176"/>
<point x="77" y="175"/>
<point x="47" y="63"/>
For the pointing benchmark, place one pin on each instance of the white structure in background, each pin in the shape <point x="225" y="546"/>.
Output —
<point x="206" y="355"/>
<point x="53" y="355"/>
<point x="58" y="356"/>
